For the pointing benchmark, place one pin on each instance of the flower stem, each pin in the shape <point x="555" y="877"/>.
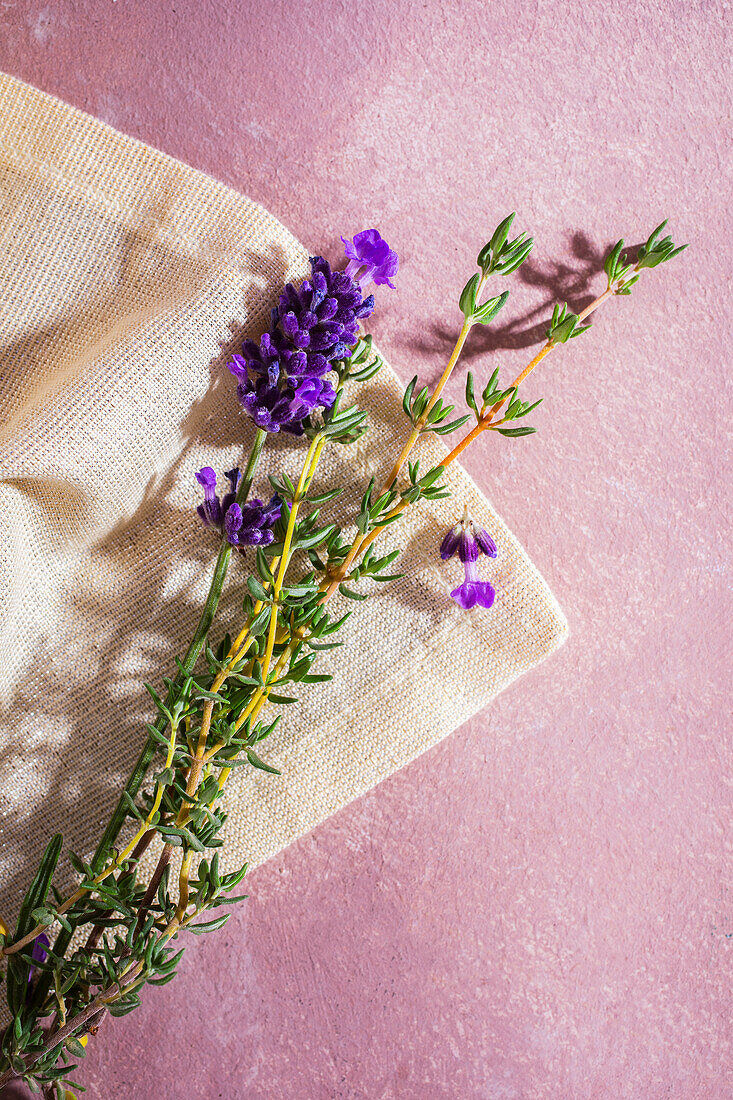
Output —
<point x="204" y="624"/>
<point x="200" y="758"/>
<point x="147" y="753"/>
<point x="415" y="433"/>
<point x="410" y="442"/>
<point x="306" y="476"/>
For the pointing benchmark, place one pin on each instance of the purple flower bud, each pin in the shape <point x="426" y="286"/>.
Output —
<point x="238" y="367"/>
<point x="272" y="409"/>
<point x="233" y="477"/>
<point x="39" y="953"/>
<point x="485" y="542"/>
<point x="450" y="542"/>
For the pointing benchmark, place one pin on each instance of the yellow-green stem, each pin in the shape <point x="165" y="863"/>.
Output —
<point x="306" y="475"/>
<point x="415" y="433"/>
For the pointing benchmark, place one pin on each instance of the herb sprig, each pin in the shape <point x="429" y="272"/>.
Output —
<point x="115" y="932"/>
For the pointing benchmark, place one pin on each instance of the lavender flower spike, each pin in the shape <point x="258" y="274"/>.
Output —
<point x="470" y="539"/>
<point x="371" y="254"/>
<point x="281" y="379"/>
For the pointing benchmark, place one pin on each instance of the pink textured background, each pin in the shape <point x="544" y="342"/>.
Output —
<point x="537" y="908"/>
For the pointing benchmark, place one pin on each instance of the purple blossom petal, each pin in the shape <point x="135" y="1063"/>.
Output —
<point x="450" y="542"/>
<point x="370" y="255"/>
<point x="465" y="595"/>
<point x="206" y="477"/>
<point x="470" y="593"/>
<point x="467" y="546"/>
<point x="484" y="540"/>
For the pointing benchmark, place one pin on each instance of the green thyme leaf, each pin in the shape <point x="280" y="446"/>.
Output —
<point x="257" y="762"/>
<point x="467" y="300"/>
<point x="350" y="594"/>
<point x="516" y="431"/>
<point x="485" y="313"/>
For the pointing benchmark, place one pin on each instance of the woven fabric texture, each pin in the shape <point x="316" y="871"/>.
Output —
<point x="126" y="278"/>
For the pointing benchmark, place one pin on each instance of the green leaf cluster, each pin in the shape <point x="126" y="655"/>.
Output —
<point x="658" y="250"/>
<point x="434" y="419"/>
<point x="622" y="273"/>
<point x="491" y="395"/>
<point x="475" y="313"/>
<point x="500" y="256"/>
<point x="564" y="326"/>
<point x="425" y="487"/>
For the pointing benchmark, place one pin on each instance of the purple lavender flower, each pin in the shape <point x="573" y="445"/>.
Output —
<point x="370" y="255"/>
<point x="470" y="539"/>
<point x="271" y="408"/>
<point x="281" y="379"/>
<point x="250" y="524"/>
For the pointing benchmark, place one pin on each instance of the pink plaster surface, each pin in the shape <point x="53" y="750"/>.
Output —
<point x="537" y="908"/>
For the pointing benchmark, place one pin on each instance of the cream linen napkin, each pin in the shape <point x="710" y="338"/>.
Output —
<point x="125" y="279"/>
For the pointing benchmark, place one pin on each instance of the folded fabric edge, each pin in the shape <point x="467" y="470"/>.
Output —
<point x="302" y="807"/>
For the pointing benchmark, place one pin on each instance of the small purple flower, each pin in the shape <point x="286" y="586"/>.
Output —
<point x="250" y="524"/>
<point x="473" y="590"/>
<point x="271" y="408"/>
<point x="39" y="953"/>
<point x="370" y="255"/>
<point x="315" y="391"/>
<point x="470" y="539"/>
<point x="212" y="510"/>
